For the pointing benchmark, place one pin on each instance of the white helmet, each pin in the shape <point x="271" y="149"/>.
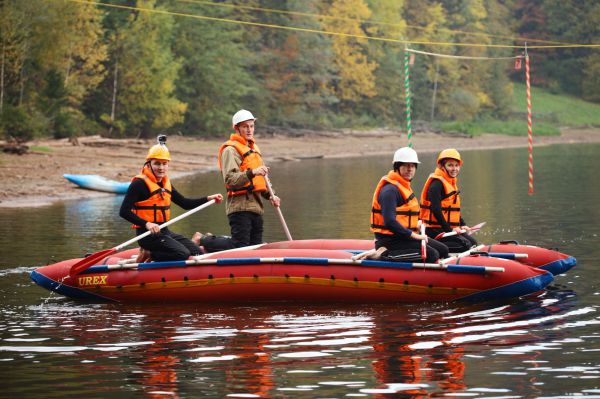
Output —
<point x="406" y="154"/>
<point x="241" y="116"/>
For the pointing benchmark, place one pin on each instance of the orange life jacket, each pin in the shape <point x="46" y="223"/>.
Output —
<point x="157" y="208"/>
<point x="450" y="200"/>
<point x="251" y="159"/>
<point x="407" y="214"/>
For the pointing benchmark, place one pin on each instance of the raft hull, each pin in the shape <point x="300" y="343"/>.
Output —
<point x="307" y="275"/>
<point x="546" y="259"/>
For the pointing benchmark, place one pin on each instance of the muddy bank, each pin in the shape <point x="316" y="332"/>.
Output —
<point x="36" y="178"/>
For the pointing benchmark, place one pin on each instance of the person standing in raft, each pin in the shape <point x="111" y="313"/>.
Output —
<point x="244" y="174"/>
<point x="147" y="204"/>
<point x="440" y="203"/>
<point x="395" y="216"/>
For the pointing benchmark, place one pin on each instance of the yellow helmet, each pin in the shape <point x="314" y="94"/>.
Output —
<point x="449" y="153"/>
<point x="160" y="150"/>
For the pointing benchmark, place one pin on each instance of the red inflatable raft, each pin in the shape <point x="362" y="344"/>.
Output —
<point x="303" y="270"/>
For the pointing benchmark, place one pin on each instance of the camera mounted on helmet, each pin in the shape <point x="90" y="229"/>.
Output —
<point x="160" y="150"/>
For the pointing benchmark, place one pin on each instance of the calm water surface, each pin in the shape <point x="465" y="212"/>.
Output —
<point x="545" y="346"/>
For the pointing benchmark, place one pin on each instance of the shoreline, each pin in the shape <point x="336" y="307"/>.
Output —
<point x="35" y="179"/>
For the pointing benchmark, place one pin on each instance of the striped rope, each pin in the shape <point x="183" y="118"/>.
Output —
<point x="407" y="97"/>
<point x="529" y="124"/>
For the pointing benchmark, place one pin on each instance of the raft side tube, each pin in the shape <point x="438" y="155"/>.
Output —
<point x="560" y="266"/>
<point x="527" y="286"/>
<point x="546" y="259"/>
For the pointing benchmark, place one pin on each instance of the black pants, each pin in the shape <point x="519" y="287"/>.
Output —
<point x="457" y="243"/>
<point x="246" y="228"/>
<point x="167" y="245"/>
<point x="216" y="243"/>
<point x="401" y="250"/>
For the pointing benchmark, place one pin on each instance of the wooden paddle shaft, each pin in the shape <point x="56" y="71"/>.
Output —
<point x="278" y="210"/>
<point x="308" y="261"/>
<point x="170" y="222"/>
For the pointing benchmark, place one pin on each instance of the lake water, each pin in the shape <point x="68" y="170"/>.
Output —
<point x="546" y="346"/>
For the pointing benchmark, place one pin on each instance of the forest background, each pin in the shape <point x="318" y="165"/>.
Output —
<point x="136" y="68"/>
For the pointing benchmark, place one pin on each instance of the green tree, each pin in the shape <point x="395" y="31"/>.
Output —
<point x="12" y="50"/>
<point x="146" y="88"/>
<point x="387" y="21"/>
<point x="499" y="87"/>
<point x="567" y="21"/>
<point x="295" y="69"/>
<point x="355" y="70"/>
<point x="433" y="79"/>
<point x="50" y="39"/>
<point x="469" y="96"/>
<point x="214" y="77"/>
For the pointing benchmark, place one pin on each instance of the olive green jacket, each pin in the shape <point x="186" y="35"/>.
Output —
<point x="234" y="177"/>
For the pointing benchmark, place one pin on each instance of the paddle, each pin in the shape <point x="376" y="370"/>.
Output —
<point x="475" y="228"/>
<point x="462" y="254"/>
<point x="98" y="256"/>
<point x="423" y="243"/>
<point x="281" y="219"/>
<point x="302" y="261"/>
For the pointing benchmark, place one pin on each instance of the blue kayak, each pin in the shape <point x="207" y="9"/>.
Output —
<point x="98" y="183"/>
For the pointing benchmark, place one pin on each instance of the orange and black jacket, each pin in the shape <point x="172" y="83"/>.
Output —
<point x="251" y="159"/>
<point x="144" y="193"/>
<point x="440" y="202"/>
<point x="395" y="209"/>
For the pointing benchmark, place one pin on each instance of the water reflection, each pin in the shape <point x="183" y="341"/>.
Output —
<point x="294" y="351"/>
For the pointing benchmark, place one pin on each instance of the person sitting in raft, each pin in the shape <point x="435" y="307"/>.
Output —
<point x="147" y="204"/>
<point x="440" y="203"/>
<point x="395" y="216"/>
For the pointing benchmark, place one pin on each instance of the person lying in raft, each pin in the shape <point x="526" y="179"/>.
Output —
<point x="395" y="216"/>
<point x="440" y="203"/>
<point x="147" y="204"/>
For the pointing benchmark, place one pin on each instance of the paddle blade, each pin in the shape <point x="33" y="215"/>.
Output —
<point x="89" y="261"/>
<point x="478" y="226"/>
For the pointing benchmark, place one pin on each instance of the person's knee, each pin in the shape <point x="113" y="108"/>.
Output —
<point x="181" y="253"/>
<point x="432" y="255"/>
<point x="443" y="251"/>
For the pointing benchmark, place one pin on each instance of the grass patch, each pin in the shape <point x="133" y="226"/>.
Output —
<point x="550" y="113"/>
<point x="565" y="110"/>
<point x="40" y="148"/>
<point x="511" y="127"/>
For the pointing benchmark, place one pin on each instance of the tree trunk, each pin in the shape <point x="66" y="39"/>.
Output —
<point x="21" y="85"/>
<point x="68" y="71"/>
<point x="2" y="79"/>
<point x="114" y="98"/>
<point x="435" y="85"/>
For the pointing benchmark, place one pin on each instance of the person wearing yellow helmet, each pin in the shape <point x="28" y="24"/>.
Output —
<point x="147" y="204"/>
<point x="440" y="203"/>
